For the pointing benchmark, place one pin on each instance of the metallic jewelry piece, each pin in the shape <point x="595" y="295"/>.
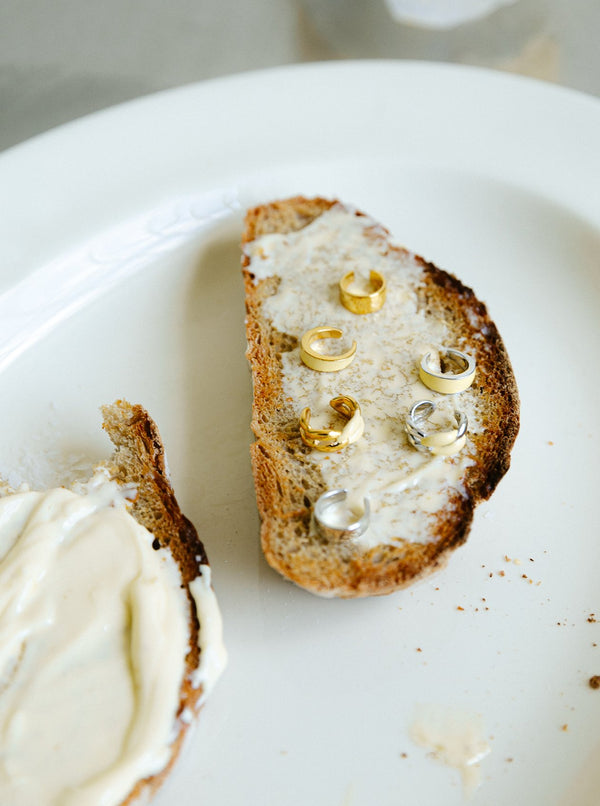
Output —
<point x="448" y="383"/>
<point x="328" y="439"/>
<point x="320" y="361"/>
<point x="339" y="532"/>
<point x="363" y="303"/>
<point x="441" y="443"/>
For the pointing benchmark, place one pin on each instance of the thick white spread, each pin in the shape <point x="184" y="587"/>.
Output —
<point x="404" y="485"/>
<point x="213" y="656"/>
<point x="94" y="630"/>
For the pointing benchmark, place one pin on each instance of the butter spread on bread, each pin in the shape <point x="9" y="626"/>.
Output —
<point x="295" y="253"/>
<point x="108" y="645"/>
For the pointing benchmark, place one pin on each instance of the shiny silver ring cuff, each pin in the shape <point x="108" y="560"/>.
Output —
<point x="336" y="531"/>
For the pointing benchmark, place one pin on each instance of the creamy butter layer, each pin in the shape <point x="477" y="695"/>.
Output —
<point x="404" y="485"/>
<point x="94" y="630"/>
<point x="213" y="656"/>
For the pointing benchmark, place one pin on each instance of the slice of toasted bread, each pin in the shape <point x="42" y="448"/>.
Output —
<point x="138" y="465"/>
<point x="139" y="459"/>
<point x="295" y="251"/>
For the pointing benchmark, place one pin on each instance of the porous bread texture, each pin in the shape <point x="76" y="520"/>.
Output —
<point x="139" y="459"/>
<point x="288" y="480"/>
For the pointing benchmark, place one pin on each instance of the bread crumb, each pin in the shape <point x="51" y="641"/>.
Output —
<point x="460" y="608"/>
<point x="595" y="681"/>
<point x="403" y="755"/>
<point x="592" y="618"/>
<point x="501" y="573"/>
<point x="564" y="728"/>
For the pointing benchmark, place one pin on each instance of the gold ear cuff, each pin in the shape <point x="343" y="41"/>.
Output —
<point x="361" y="302"/>
<point x="329" y="439"/>
<point x="320" y="361"/>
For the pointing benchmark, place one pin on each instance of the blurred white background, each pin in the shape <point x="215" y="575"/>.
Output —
<point x="61" y="59"/>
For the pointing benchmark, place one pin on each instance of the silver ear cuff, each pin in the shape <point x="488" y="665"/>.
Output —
<point x="339" y="528"/>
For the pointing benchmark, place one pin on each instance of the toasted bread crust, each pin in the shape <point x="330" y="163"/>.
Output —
<point x="287" y="482"/>
<point x="139" y="458"/>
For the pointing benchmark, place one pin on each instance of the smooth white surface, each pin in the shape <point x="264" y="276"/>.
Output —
<point x="493" y="178"/>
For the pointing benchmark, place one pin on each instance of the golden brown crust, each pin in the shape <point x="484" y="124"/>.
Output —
<point x="139" y="458"/>
<point x="288" y="215"/>
<point x="287" y="483"/>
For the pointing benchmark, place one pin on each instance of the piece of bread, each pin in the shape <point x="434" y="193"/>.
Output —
<point x="138" y="465"/>
<point x="295" y="251"/>
<point x="139" y="459"/>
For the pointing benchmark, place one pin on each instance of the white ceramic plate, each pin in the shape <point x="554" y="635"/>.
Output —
<point x="493" y="178"/>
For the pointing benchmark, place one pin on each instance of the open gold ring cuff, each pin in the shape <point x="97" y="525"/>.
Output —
<point x="448" y="383"/>
<point x="329" y="439"/>
<point x="363" y="303"/>
<point x="320" y="361"/>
